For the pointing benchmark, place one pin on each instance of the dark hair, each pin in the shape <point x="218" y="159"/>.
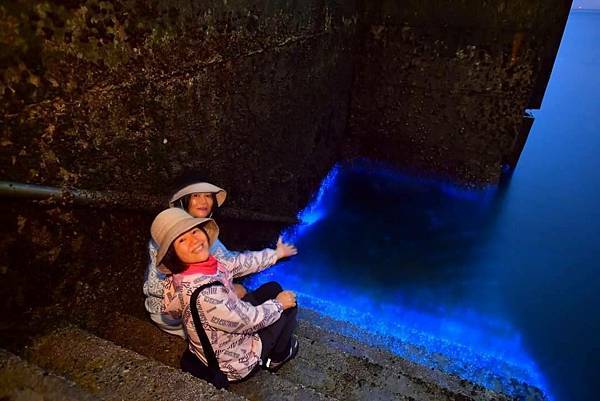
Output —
<point x="172" y="261"/>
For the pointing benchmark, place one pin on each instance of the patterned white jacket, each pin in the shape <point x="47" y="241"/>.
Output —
<point x="248" y="261"/>
<point x="230" y="323"/>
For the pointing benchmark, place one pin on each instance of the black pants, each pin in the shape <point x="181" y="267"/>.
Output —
<point x="276" y="337"/>
<point x="263" y="293"/>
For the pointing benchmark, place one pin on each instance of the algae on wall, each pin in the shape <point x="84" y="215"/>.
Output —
<point x="442" y="87"/>
<point x="268" y="94"/>
<point x="128" y="94"/>
<point x="262" y="97"/>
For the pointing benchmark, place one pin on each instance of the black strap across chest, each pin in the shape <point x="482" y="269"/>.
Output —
<point x="208" y="349"/>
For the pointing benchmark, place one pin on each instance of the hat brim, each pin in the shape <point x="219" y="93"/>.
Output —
<point x="181" y="227"/>
<point x="220" y="193"/>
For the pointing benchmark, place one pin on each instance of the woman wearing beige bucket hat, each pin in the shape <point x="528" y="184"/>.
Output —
<point x="200" y="198"/>
<point x="199" y="289"/>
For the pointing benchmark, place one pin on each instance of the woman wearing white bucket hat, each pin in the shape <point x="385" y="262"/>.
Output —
<point x="200" y="289"/>
<point x="200" y="198"/>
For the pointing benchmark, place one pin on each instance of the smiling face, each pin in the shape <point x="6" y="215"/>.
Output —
<point x="192" y="246"/>
<point x="201" y="204"/>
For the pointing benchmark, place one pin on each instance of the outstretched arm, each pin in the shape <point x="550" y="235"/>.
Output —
<point x="244" y="263"/>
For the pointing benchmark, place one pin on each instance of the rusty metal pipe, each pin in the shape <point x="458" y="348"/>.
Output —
<point x="118" y="199"/>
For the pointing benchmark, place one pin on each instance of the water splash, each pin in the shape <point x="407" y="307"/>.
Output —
<point x="317" y="208"/>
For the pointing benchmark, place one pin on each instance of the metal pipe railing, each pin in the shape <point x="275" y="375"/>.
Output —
<point x="116" y="199"/>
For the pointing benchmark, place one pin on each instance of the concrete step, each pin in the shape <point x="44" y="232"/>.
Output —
<point x="269" y="386"/>
<point x="145" y="338"/>
<point x="464" y="357"/>
<point x="114" y="373"/>
<point x="351" y="377"/>
<point x="22" y="381"/>
<point x="328" y="363"/>
<point x="434" y="382"/>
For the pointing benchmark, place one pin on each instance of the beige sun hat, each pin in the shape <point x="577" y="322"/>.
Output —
<point x="170" y="224"/>
<point x="220" y="193"/>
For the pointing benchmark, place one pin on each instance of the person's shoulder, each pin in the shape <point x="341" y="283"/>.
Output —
<point x="213" y="287"/>
<point x="218" y="245"/>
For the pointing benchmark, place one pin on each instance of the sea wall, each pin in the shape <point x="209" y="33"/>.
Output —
<point x="126" y="95"/>
<point x="262" y="97"/>
<point x="442" y="87"/>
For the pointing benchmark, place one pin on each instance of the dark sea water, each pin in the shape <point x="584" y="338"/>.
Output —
<point x="547" y="236"/>
<point x="494" y="285"/>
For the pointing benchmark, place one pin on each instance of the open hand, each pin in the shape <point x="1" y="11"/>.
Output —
<point x="284" y="250"/>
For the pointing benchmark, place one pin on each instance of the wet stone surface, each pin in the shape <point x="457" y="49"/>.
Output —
<point x="20" y="380"/>
<point x="115" y="373"/>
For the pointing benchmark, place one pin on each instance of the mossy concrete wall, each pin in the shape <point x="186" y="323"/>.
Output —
<point x="441" y="87"/>
<point x="262" y="97"/>
<point x="126" y="95"/>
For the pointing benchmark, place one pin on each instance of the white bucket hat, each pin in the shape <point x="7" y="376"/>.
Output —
<point x="170" y="224"/>
<point x="220" y="193"/>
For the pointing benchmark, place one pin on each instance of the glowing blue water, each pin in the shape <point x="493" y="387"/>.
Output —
<point x="387" y="273"/>
<point x="494" y="285"/>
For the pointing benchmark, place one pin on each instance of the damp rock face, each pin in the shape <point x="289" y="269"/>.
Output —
<point x="126" y="95"/>
<point x="442" y="87"/>
<point x="263" y="97"/>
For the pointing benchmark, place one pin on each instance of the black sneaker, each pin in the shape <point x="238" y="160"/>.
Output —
<point x="274" y="366"/>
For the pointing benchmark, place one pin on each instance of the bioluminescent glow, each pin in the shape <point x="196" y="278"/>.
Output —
<point x="316" y="208"/>
<point x="368" y="237"/>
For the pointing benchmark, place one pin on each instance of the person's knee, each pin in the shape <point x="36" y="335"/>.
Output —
<point x="274" y="287"/>
<point x="291" y="313"/>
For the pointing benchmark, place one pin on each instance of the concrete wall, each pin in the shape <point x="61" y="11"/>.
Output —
<point x="441" y="87"/>
<point x="263" y="97"/>
<point x="127" y="95"/>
